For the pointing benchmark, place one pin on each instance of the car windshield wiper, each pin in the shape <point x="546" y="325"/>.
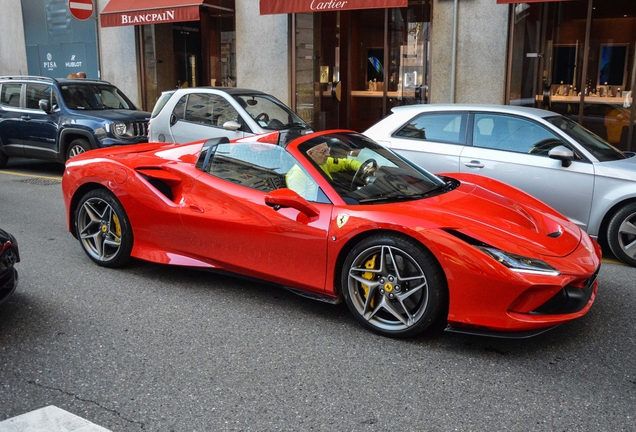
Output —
<point x="447" y="186"/>
<point x="393" y="198"/>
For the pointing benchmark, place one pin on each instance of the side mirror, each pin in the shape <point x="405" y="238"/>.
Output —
<point x="173" y="119"/>
<point x="45" y="105"/>
<point x="284" y="198"/>
<point x="563" y="154"/>
<point x="231" y="125"/>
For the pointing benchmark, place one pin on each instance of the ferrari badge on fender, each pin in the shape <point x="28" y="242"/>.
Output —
<point x="342" y="219"/>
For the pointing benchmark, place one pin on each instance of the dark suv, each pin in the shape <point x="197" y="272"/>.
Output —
<point x="55" y="119"/>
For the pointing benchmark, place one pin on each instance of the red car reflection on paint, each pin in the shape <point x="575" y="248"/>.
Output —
<point x="335" y="216"/>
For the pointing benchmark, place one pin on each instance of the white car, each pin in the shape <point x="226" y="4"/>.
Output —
<point x="541" y="152"/>
<point x="191" y="114"/>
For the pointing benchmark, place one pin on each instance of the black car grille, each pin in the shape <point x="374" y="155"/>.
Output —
<point x="570" y="299"/>
<point x="140" y="129"/>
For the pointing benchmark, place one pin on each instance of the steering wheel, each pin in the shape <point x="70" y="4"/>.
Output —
<point x="275" y="124"/>
<point x="262" y="116"/>
<point x="366" y="169"/>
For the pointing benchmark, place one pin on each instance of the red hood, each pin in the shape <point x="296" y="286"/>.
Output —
<point x="489" y="211"/>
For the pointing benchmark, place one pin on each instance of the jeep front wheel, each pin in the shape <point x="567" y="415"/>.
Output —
<point x="77" y="146"/>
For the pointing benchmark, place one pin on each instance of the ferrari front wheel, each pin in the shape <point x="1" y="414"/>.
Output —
<point x="103" y="228"/>
<point x="393" y="285"/>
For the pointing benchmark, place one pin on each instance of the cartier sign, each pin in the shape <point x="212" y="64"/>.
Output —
<point x="297" y="6"/>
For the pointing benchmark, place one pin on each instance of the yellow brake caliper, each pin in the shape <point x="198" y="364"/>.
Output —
<point x="370" y="264"/>
<point x="117" y="227"/>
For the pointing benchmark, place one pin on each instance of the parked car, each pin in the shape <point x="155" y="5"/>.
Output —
<point x="195" y="113"/>
<point x="55" y="119"/>
<point x="335" y="216"/>
<point x="9" y="256"/>
<point x="543" y="153"/>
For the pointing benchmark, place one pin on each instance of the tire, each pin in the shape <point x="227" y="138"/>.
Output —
<point x="79" y="145"/>
<point x="621" y="234"/>
<point x="3" y="160"/>
<point x="103" y="229"/>
<point x="393" y="285"/>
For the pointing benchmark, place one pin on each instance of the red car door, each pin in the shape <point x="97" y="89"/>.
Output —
<point x="231" y="226"/>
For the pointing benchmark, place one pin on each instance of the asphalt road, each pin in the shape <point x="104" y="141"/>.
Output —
<point x="157" y="348"/>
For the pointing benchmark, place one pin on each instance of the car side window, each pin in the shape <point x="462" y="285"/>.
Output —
<point x="179" y="108"/>
<point x="502" y="132"/>
<point x="447" y="127"/>
<point x="10" y="95"/>
<point x="36" y="92"/>
<point x="209" y="110"/>
<point x="255" y="165"/>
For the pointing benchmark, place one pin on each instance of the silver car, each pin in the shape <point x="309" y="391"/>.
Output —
<point x="538" y="151"/>
<point x="196" y="113"/>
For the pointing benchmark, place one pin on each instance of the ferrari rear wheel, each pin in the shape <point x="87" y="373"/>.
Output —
<point x="103" y="229"/>
<point x="393" y="285"/>
<point x="621" y="234"/>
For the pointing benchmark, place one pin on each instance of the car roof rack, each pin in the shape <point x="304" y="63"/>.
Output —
<point x="49" y="79"/>
<point x="31" y="77"/>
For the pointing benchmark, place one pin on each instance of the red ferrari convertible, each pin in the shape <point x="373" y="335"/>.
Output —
<point x="335" y="216"/>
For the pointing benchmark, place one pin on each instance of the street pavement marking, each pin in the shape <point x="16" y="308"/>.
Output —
<point x="30" y="175"/>
<point x="49" y="419"/>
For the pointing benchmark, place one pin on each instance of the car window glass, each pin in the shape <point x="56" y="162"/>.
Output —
<point x="161" y="102"/>
<point x="501" y="132"/>
<point x="94" y="97"/>
<point x="255" y="165"/>
<point x="79" y="97"/>
<point x="179" y="109"/>
<point x="362" y="171"/>
<point x="210" y="110"/>
<point x="112" y="99"/>
<point x="36" y="92"/>
<point x="10" y="94"/>
<point x="602" y="150"/>
<point x="269" y="113"/>
<point x="448" y="127"/>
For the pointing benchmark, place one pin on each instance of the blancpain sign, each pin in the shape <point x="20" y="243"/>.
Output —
<point x="147" y="18"/>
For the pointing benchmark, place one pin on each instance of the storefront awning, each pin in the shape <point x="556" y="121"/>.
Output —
<point x="297" y="6"/>
<point x="134" y="12"/>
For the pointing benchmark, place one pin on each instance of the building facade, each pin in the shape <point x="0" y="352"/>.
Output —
<point x="346" y="64"/>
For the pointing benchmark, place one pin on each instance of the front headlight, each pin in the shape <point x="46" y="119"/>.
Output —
<point x="120" y="129"/>
<point x="518" y="263"/>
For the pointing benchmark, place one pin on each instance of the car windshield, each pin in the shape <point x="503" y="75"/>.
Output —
<point x="94" y="97"/>
<point x="161" y="102"/>
<point x="364" y="172"/>
<point x="600" y="149"/>
<point x="269" y="113"/>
